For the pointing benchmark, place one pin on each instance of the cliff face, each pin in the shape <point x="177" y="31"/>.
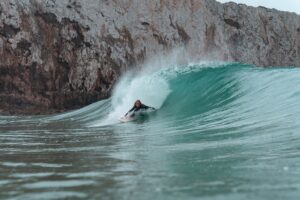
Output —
<point x="58" y="55"/>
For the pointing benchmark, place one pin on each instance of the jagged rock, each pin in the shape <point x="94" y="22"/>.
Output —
<point x="59" y="55"/>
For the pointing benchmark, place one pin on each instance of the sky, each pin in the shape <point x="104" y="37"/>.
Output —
<point x="285" y="5"/>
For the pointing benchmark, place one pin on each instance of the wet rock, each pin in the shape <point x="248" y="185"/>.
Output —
<point x="61" y="55"/>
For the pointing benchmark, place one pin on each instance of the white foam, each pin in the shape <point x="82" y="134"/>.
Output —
<point x="149" y="87"/>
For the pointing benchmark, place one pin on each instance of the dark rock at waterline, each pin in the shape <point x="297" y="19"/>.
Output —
<point x="61" y="55"/>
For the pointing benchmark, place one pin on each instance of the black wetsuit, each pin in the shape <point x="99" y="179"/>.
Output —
<point x="136" y="109"/>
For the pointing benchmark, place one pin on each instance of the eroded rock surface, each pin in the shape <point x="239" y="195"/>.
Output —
<point x="60" y="55"/>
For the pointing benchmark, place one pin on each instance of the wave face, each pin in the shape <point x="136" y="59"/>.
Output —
<point x="222" y="130"/>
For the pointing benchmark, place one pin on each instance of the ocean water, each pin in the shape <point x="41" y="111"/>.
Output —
<point x="221" y="131"/>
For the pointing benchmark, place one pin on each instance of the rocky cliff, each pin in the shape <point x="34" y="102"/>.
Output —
<point x="63" y="54"/>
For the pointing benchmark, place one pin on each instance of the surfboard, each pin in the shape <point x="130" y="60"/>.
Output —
<point x="140" y="115"/>
<point x="125" y="119"/>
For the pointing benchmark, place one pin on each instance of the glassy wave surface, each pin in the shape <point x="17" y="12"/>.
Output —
<point x="222" y="130"/>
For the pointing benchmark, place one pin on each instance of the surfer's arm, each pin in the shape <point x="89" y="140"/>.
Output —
<point x="148" y="107"/>
<point x="151" y="108"/>
<point x="132" y="109"/>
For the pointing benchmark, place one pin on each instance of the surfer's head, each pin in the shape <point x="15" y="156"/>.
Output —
<point x="137" y="103"/>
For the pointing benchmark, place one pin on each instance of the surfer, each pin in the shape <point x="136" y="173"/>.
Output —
<point x="138" y="106"/>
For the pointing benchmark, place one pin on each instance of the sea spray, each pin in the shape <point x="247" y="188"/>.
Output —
<point x="150" y="88"/>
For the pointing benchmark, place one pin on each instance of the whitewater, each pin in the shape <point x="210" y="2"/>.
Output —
<point x="221" y="131"/>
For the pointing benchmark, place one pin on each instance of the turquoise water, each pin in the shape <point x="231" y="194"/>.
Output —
<point x="222" y="131"/>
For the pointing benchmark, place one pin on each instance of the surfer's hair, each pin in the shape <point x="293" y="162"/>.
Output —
<point x="137" y="101"/>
